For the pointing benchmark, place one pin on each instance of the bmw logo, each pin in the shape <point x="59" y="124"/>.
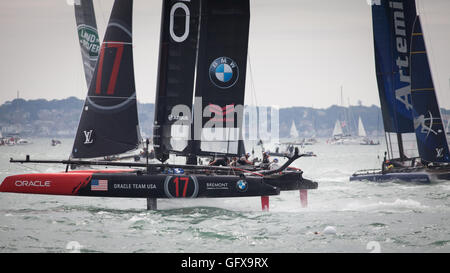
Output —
<point x="223" y="72"/>
<point x="242" y="185"/>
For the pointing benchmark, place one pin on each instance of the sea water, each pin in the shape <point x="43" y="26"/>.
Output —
<point x="364" y="216"/>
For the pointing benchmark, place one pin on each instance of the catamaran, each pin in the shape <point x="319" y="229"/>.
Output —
<point x="408" y="98"/>
<point x="203" y="51"/>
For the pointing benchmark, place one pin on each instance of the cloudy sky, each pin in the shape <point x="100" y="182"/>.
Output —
<point x="301" y="51"/>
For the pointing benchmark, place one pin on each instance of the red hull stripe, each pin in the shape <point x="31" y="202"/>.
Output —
<point x="46" y="183"/>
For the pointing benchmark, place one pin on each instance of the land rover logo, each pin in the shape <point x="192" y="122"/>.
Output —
<point x="89" y="41"/>
<point x="223" y="72"/>
<point x="242" y="185"/>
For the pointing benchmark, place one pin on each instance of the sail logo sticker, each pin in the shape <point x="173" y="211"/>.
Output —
<point x="181" y="186"/>
<point x="402" y="94"/>
<point x="88" y="137"/>
<point x="223" y="72"/>
<point x="89" y="41"/>
<point x="23" y="183"/>
<point x="242" y="185"/>
<point x="421" y="121"/>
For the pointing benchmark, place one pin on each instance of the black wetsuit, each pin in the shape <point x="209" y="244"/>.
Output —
<point x="219" y="162"/>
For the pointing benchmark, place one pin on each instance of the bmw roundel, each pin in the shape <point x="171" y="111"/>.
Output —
<point x="223" y="72"/>
<point x="242" y="185"/>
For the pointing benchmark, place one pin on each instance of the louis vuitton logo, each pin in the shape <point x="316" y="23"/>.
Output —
<point x="88" y="136"/>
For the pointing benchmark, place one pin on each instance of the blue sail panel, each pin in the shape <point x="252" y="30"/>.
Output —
<point x="392" y="26"/>
<point x="430" y="133"/>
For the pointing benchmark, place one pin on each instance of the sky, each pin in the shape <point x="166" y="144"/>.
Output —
<point x="301" y="52"/>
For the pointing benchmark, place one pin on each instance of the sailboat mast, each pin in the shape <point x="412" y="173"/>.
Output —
<point x="193" y="143"/>
<point x="401" y="151"/>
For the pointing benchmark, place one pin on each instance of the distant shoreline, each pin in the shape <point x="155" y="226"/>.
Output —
<point x="59" y="118"/>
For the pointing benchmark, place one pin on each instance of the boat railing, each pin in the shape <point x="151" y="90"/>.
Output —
<point x="366" y="171"/>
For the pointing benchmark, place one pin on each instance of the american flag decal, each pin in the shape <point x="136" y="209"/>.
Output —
<point x="99" y="185"/>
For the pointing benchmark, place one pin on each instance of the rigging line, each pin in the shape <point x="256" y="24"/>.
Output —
<point x="35" y="169"/>
<point x="252" y="83"/>
<point x="246" y="171"/>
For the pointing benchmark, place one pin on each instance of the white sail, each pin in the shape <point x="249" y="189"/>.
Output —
<point x="361" y="130"/>
<point x="337" y="129"/>
<point x="294" y="132"/>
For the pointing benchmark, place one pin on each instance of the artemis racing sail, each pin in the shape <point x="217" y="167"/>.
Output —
<point x="109" y="121"/>
<point x="392" y="27"/>
<point x="430" y="132"/>
<point x="87" y="35"/>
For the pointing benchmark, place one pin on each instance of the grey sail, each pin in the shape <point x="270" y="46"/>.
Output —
<point x="87" y="36"/>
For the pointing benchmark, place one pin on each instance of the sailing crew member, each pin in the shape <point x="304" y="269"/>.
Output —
<point x="221" y="161"/>
<point x="274" y="164"/>
<point x="265" y="158"/>
<point x="291" y="149"/>
<point x="233" y="161"/>
<point x="244" y="160"/>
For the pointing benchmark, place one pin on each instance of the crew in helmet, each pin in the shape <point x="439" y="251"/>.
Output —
<point x="274" y="164"/>
<point x="244" y="160"/>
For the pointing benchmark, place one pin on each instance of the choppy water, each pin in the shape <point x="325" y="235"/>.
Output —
<point x="388" y="217"/>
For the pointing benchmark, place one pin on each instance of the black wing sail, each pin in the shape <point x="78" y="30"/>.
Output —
<point x="177" y="58"/>
<point x="221" y="72"/>
<point x="88" y="36"/>
<point x="109" y="121"/>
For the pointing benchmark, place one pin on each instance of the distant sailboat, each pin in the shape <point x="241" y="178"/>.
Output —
<point x="363" y="135"/>
<point x="337" y="131"/>
<point x="293" y="132"/>
<point x="361" y="129"/>
<point x="2" y="141"/>
<point x="339" y="137"/>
